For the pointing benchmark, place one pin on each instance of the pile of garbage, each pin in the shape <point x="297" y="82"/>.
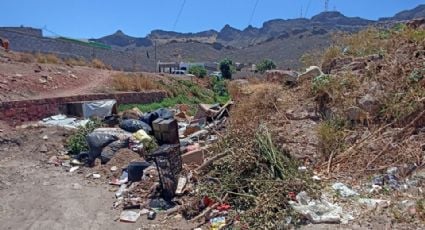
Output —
<point x="150" y="158"/>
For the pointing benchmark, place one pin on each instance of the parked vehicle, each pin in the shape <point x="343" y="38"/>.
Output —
<point x="178" y="72"/>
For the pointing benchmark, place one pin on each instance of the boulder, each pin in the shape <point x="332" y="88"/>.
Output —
<point x="335" y="64"/>
<point x="286" y="77"/>
<point x="310" y="73"/>
<point x="369" y="104"/>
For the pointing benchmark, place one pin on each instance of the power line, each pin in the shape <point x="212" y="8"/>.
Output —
<point x="253" y="12"/>
<point x="308" y="7"/>
<point x="45" y="28"/>
<point x="179" y="14"/>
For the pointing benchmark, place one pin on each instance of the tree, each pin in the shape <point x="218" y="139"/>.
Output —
<point x="265" y="65"/>
<point x="198" y="70"/>
<point x="227" y="68"/>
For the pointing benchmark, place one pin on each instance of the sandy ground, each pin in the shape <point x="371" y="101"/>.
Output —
<point x="37" y="195"/>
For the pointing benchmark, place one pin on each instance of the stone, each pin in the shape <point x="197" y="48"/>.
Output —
<point x="114" y="168"/>
<point x="310" y="74"/>
<point x="76" y="186"/>
<point x="369" y="104"/>
<point x="286" y="77"/>
<point x="43" y="148"/>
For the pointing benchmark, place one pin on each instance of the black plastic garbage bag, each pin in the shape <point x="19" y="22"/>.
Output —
<point x="132" y="125"/>
<point x="96" y="142"/>
<point x="159" y="113"/>
<point x="109" y="151"/>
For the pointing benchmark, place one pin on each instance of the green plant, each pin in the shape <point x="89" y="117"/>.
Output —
<point x="198" y="70"/>
<point x="76" y="142"/>
<point x="227" y="68"/>
<point x="321" y="83"/>
<point x="331" y="137"/>
<point x="416" y="75"/>
<point x="265" y="65"/>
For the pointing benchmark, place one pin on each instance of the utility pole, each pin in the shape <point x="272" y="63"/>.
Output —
<point x="326" y="5"/>
<point x="156" y="63"/>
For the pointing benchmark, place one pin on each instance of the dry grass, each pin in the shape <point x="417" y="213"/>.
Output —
<point x="98" y="64"/>
<point x="259" y="101"/>
<point x="133" y="82"/>
<point x="26" y="58"/>
<point x="47" y="58"/>
<point x="76" y="62"/>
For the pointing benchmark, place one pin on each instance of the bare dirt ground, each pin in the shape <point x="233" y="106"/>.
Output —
<point x="37" y="195"/>
<point x="21" y="81"/>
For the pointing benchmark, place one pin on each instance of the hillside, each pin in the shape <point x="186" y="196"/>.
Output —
<point x="288" y="39"/>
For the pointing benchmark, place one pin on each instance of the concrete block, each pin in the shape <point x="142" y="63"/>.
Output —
<point x="194" y="157"/>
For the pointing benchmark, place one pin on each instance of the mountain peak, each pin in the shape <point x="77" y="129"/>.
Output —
<point x="119" y="32"/>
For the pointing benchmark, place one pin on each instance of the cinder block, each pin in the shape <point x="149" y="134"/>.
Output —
<point x="194" y="157"/>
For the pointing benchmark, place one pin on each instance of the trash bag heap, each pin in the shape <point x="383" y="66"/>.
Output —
<point x="169" y="144"/>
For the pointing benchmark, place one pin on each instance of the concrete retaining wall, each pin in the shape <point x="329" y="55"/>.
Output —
<point x="16" y="112"/>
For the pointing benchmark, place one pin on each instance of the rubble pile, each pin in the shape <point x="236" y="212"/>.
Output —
<point x="149" y="160"/>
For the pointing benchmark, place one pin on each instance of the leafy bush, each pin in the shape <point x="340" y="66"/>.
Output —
<point x="77" y="143"/>
<point x="321" y="83"/>
<point x="198" y="70"/>
<point x="227" y="68"/>
<point x="265" y="65"/>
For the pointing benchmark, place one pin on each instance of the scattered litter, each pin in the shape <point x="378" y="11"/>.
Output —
<point x="373" y="203"/>
<point x="218" y="223"/>
<point x="180" y="185"/>
<point x="319" y="211"/>
<point x="302" y="169"/>
<point x="96" y="176"/>
<point x="120" y="191"/>
<point x="129" y="216"/>
<point x="63" y="121"/>
<point x="114" y="168"/>
<point x="135" y="170"/>
<point x="151" y="215"/>
<point x="76" y="162"/>
<point x="45" y="137"/>
<point x="316" y="178"/>
<point x="73" y="169"/>
<point x="343" y="190"/>
<point x="144" y="211"/>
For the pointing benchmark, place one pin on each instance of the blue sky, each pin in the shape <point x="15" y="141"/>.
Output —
<point x="96" y="18"/>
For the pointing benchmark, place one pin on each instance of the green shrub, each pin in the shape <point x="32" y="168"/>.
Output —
<point x="331" y="136"/>
<point x="227" y="68"/>
<point x="265" y="65"/>
<point x="321" y="83"/>
<point x="198" y="70"/>
<point x="77" y="143"/>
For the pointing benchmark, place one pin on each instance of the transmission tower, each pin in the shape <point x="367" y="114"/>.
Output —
<point x="326" y="5"/>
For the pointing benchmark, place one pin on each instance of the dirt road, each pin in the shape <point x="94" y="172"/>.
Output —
<point x="36" y="195"/>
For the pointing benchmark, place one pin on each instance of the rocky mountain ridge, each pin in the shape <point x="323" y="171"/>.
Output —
<point x="323" y="23"/>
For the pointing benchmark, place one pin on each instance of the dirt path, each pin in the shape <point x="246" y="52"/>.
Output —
<point x="37" y="195"/>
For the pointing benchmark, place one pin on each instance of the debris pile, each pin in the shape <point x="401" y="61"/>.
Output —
<point x="150" y="159"/>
